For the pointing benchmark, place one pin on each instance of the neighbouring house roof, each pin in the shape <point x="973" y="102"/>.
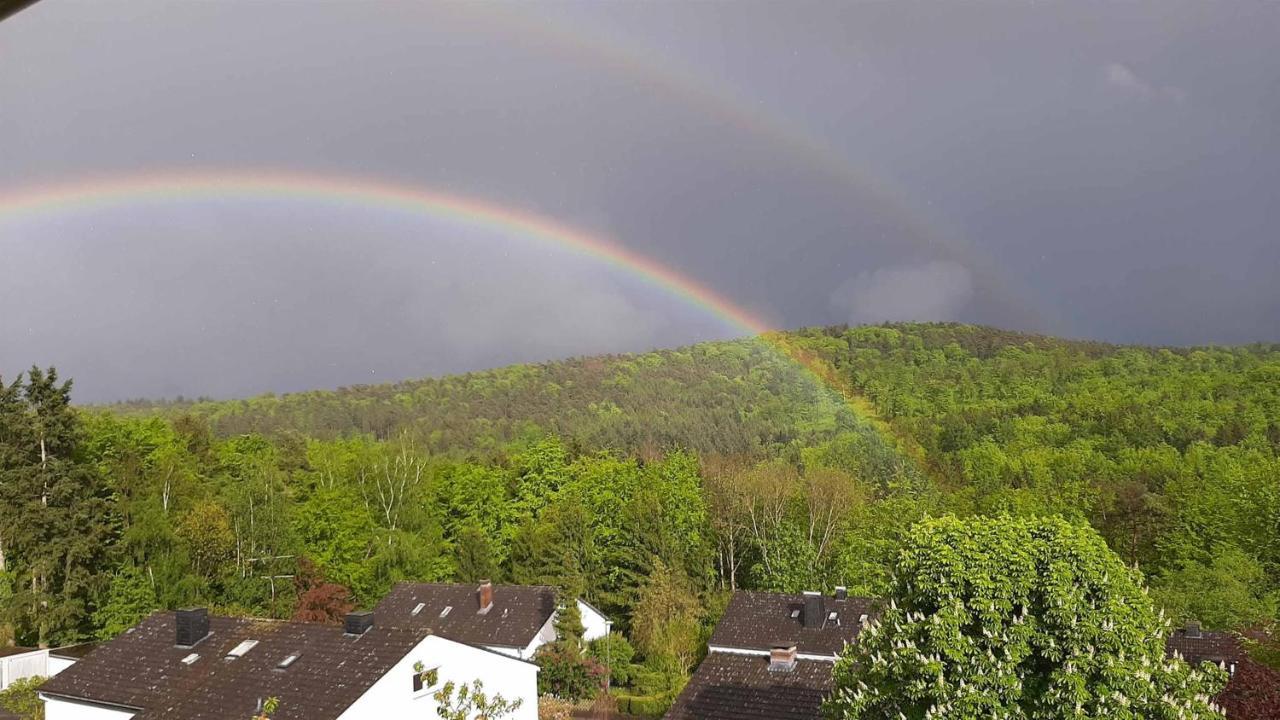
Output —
<point x="731" y="686"/>
<point x="1210" y="646"/>
<point x="143" y="669"/>
<point x="517" y="614"/>
<point x="8" y="651"/>
<point x="759" y="621"/>
<point x="74" y="652"/>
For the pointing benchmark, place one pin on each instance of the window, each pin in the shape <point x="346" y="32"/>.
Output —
<point x="242" y="648"/>
<point x="446" y="610"/>
<point x="190" y="658"/>
<point x="417" y="609"/>
<point x="795" y="613"/>
<point x="288" y="661"/>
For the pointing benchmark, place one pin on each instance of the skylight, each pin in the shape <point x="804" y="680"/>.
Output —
<point x="795" y="613"/>
<point x="242" y="648"/>
<point x="446" y="610"/>
<point x="831" y="615"/>
<point x="190" y="658"/>
<point x="288" y="661"/>
<point x="418" y="608"/>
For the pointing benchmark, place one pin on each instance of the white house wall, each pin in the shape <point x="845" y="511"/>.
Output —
<point x="594" y="624"/>
<point x="58" y="709"/>
<point x="392" y="696"/>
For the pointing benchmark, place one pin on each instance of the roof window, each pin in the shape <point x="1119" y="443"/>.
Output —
<point x="795" y="613"/>
<point x="190" y="658"/>
<point x="417" y="609"/>
<point x="242" y="648"/>
<point x="288" y="661"/>
<point x="446" y="610"/>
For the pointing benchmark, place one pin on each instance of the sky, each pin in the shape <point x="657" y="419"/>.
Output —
<point x="1094" y="170"/>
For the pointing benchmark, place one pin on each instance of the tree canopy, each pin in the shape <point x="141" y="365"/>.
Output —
<point x="1016" y="618"/>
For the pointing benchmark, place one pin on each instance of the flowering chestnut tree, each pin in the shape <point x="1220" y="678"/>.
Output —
<point x="1025" y="619"/>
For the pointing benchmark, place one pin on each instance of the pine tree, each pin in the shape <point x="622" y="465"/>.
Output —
<point x="56" y="516"/>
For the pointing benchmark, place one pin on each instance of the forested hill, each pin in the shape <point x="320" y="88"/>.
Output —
<point x="649" y="483"/>
<point x="733" y="397"/>
<point x="944" y="385"/>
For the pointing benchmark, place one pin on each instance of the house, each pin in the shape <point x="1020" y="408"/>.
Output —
<point x="190" y="665"/>
<point x="514" y="620"/>
<point x="772" y="656"/>
<point x="1196" y="646"/>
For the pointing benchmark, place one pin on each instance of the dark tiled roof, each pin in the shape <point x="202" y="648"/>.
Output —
<point x="74" y="652"/>
<point x="143" y="669"/>
<point x="758" y="621"/>
<point x="729" y="686"/>
<point x="518" y="611"/>
<point x="1212" y="646"/>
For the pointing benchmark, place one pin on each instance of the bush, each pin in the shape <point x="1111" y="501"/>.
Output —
<point x="20" y="698"/>
<point x="552" y="708"/>
<point x="615" y="654"/>
<point x="646" y="705"/>
<point x="566" y="673"/>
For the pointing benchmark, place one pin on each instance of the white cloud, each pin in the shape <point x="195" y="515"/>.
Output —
<point x="937" y="290"/>
<point x="1122" y="78"/>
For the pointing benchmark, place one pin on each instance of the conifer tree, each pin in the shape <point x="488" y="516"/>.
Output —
<point x="55" y="512"/>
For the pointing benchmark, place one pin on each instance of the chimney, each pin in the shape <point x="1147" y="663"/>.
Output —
<point x="484" y="596"/>
<point x="192" y="626"/>
<point x="842" y="593"/>
<point x="812" y="609"/>
<point x="1193" y="629"/>
<point x="782" y="657"/>
<point x="358" y="623"/>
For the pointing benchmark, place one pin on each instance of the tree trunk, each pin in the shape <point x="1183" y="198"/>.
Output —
<point x="44" y="473"/>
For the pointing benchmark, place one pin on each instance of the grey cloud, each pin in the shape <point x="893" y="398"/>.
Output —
<point x="937" y="291"/>
<point x="1121" y="77"/>
<point x="1033" y="165"/>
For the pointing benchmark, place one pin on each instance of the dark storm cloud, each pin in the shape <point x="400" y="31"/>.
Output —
<point x="1096" y="169"/>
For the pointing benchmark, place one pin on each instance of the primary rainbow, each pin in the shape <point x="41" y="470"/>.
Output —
<point x="170" y="187"/>
<point x="97" y="194"/>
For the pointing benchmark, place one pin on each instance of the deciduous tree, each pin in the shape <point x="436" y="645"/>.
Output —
<point x="1016" y="618"/>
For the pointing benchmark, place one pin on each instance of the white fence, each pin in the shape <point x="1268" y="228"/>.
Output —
<point x="23" y="665"/>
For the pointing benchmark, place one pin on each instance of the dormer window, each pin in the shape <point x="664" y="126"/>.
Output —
<point x="446" y="610"/>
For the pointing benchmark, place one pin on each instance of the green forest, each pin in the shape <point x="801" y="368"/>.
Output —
<point x="650" y="484"/>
